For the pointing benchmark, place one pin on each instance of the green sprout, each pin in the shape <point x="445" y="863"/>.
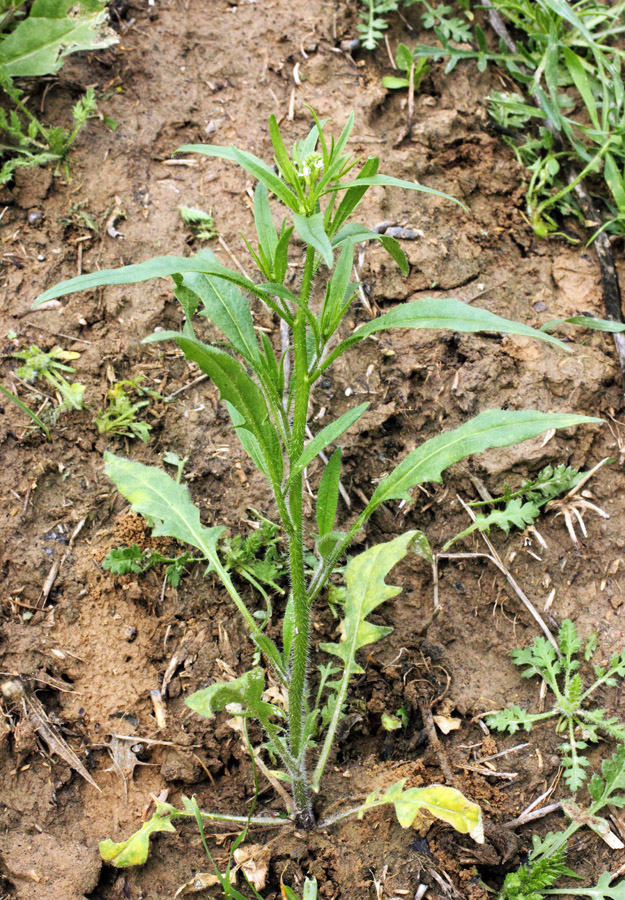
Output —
<point x="50" y="367"/>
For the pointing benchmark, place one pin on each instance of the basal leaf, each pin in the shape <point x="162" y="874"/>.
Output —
<point x="134" y="851"/>
<point x="444" y="803"/>
<point x="39" y="43"/>
<point x="246" y="690"/>
<point x="153" y="493"/>
<point x="493" y="428"/>
<point x="366" y="590"/>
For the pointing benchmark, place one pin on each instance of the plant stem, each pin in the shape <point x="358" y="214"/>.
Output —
<point x="298" y="688"/>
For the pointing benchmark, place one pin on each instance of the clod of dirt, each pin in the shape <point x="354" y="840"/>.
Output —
<point x="42" y="868"/>
<point x="181" y="767"/>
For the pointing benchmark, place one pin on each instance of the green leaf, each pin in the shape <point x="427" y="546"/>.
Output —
<point x="328" y="494"/>
<point x="389" y="181"/>
<point x="134" y="851"/>
<point x="252" y="164"/>
<point x="225" y="305"/>
<point x="337" y="290"/>
<point x="403" y="57"/>
<point x="450" y="314"/>
<point x="326" y="436"/>
<point x="366" y="590"/>
<point x="25" y="409"/>
<point x="152" y="493"/>
<point x="352" y="197"/>
<point x="265" y="228"/>
<point x="579" y="76"/>
<point x="39" y="44"/>
<point x="246" y="690"/>
<point x="493" y="428"/>
<point x="393" y="83"/>
<point x="442" y="802"/>
<point x="236" y="387"/>
<point x="312" y="231"/>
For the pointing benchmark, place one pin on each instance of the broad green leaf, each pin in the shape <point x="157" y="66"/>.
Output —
<point x="311" y="230"/>
<point x="328" y="435"/>
<point x="134" y="851"/>
<point x="39" y="44"/>
<point x="366" y="590"/>
<point x="403" y="57"/>
<point x="492" y="428"/>
<point x="389" y="181"/>
<point x="444" y="803"/>
<point x="154" y="494"/>
<point x="328" y="494"/>
<point x="246" y="690"/>
<point x="236" y="386"/>
<point x="225" y="305"/>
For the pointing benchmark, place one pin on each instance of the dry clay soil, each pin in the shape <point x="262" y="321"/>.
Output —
<point x="89" y="647"/>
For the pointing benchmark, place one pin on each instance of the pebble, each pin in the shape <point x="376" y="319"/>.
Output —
<point x="35" y="217"/>
<point x="130" y="633"/>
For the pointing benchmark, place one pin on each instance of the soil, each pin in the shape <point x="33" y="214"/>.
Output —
<point x="90" y="647"/>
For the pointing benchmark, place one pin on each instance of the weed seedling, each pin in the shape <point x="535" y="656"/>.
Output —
<point x="201" y="224"/>
<point x="575" y="719"/>
<point x="317" y="186"/>
<point x="120" y="415"/>
<point x="51" y="366"/>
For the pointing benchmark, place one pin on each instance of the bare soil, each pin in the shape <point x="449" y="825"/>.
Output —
<point x="90" y="647"/>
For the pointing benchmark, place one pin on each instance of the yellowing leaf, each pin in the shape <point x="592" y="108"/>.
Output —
<point x="447" y="723"/>
<point x="444" y="803"/>
<point x="134" y="851"/>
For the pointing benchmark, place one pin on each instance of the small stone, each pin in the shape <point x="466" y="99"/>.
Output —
<point x="41" y="257"/>
<point x="130" y="633"/>
<point x="35" y="217"/>
<point x="540" y="306"/>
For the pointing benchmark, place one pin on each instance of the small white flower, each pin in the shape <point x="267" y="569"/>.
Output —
<point x="306" y="171"/>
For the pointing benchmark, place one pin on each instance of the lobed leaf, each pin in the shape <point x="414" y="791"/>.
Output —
<point x="153" y="493"/>
<point x="493" y="428"/>
<point x="134" y="851"/>
<point x="246" y="690"/>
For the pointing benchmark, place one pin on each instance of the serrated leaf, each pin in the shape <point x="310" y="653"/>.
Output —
<point x="123" y="560"/>
<point x="493" y="428"/>
<point x="366" y="590"/>
<point x="246" y="690"/>
<point x="154" y="494"/>
<point x="442" y="802"/>
<point x="134" y="851"/>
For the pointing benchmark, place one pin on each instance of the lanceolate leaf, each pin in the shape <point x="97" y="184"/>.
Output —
<point x="444" y="803"/>
<point x="225" y="305"/>
<point x="311" y="230"/>
<point x="328" y="435"/>
<point x="153" y="493"/>
<point x="134" y="851"/>
<point x="159" y="267"/>
<point x="493" y="428"/>
<point x="366" y="590"/>
<point x="389" y="181"/>
<point x="446" y="313"/>
<point x="328" y="494"/>
<point x="236" y="386"/>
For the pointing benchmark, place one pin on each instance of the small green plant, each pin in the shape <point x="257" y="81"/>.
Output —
<point x="522" y="507"/>
<point x="120" y="415"/>
<point x="201" y="224"/>
<point x="35" y="45"/>
<point x="310" y="890"/>
<point x="318" y="186"/>
<point x="414" y="67"/>
<point x="51" y="366"/>
<point x="546" y="864"/>
<point x="579" y="723"/>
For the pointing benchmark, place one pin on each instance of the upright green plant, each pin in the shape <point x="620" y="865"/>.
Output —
<point x="320" y="187"/>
